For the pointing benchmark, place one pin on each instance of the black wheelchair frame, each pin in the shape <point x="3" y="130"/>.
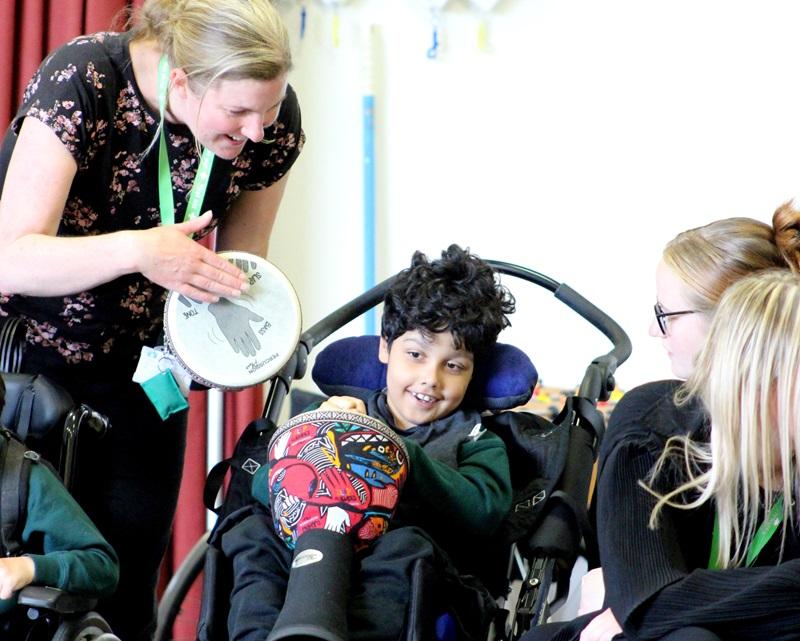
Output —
<point x="550" y="559"/>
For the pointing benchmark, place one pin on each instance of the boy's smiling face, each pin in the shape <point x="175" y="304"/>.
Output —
<point x="426" y="376"/>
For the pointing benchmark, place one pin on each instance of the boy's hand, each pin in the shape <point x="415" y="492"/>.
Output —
<point x="344" y="404"/>
<point x="15" y="573"/>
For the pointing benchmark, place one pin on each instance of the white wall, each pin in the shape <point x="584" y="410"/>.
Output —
<point x="588" y="135"/>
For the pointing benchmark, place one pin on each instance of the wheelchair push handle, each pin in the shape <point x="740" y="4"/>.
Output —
<point x="94" y="421"/>
<point x="80" y="418"/>
<point x="84" y="417"/>
<point x="602" y="321"/>
<point x="598" y="381"/>
<point x="577" y="303"/>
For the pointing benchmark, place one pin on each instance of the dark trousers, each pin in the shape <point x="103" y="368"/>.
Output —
<point x="379" y="591"/>
<point x="128" y="483"/>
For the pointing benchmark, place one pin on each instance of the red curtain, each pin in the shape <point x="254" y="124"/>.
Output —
<point x="29" y="29"/>
<point x="190" y="522"/>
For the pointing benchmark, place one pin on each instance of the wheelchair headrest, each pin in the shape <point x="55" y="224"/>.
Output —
<point x="350" y="367"/>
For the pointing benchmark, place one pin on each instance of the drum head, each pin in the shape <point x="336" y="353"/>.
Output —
<point x="336" y="470"/>
<point x="236" y="342"/>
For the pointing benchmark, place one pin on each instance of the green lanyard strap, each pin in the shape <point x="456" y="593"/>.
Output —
<point x="166" y="201"/>
<point x="763" y="534"/>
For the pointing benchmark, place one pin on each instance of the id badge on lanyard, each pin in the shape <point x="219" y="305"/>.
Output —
<point x="156" y="371"/>
<point x="768" y="527"/>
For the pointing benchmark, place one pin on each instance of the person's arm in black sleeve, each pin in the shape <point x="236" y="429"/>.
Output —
<point x="653" y="589"/>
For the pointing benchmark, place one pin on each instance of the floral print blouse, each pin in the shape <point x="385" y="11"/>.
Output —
<point x="86" y="93"/>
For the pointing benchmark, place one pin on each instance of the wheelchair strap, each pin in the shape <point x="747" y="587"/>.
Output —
<point x="25" y="412"/>
<point x="248" y="455"/>
<point x="590" y="414"/>
<point x="214" y="481"/>
<point x="15" y="462"/>
<point x="579" y="512"/>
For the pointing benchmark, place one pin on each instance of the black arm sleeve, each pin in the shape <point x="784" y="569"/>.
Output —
<point x="655" y="580"/>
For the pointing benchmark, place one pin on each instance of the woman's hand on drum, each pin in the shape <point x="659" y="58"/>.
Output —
<point x="168" y="256"/>
<point x="344" y="404"/>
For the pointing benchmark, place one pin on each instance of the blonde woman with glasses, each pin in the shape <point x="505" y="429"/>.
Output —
<point x="699" y="264"/>
<point x="695" y="270"/>
<point x="708" y="543"/>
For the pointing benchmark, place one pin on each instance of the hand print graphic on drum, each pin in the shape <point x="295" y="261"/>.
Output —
<point x="339" y="471"/>
<point x="234" y="344"/>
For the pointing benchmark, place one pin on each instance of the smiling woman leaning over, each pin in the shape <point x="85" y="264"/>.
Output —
<point x="120" y="143"/>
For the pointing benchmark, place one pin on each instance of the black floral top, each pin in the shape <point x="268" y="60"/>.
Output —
<point x="86" y="93"/>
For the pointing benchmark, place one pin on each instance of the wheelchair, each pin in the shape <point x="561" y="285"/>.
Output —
<point x="551" y="465"/>
<point x="46" y="418"/>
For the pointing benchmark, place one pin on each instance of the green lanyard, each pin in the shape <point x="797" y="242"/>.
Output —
<point x="763" y="534"/>
<point x="165" y="199"/>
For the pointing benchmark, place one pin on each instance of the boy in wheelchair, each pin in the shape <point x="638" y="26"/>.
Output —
<point x="48" y="540"/>
<point x="440" y="318"/>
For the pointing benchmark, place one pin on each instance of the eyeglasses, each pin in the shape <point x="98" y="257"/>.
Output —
<point x="661" y="316"/>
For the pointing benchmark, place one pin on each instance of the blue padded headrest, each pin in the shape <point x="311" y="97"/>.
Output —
<point x="350" y="367"/>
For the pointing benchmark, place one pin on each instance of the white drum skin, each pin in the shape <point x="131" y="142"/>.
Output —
<point x="237" y="342"/>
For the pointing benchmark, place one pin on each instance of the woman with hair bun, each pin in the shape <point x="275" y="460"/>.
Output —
<point x="699" y="264"/>
<point x="121" y="143"/>
<point x="712" y="542"/>
<point x="655" y="560"/>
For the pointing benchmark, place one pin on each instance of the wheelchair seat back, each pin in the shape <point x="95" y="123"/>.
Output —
<point x="34" y="405"/>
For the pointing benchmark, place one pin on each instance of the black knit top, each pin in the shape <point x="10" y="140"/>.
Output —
<point x="657" y="580"/>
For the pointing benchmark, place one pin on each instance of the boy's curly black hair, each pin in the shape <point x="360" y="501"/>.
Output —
<point x="458" y="293"/>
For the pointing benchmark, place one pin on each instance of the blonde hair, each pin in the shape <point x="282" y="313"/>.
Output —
<point x="709" y="259"/>
<point x="748" y="378"/>
<point x="217" y="39"/>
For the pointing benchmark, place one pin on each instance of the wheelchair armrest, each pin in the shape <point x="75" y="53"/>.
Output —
<point x="56" y="600"/>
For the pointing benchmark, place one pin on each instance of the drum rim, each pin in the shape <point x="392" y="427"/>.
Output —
<point x="202" y="380"/>
<point x="342" y="416"/>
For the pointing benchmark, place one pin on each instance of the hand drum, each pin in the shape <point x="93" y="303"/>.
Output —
<point x="238" y="342"/>
<point x="335" y="470"/>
